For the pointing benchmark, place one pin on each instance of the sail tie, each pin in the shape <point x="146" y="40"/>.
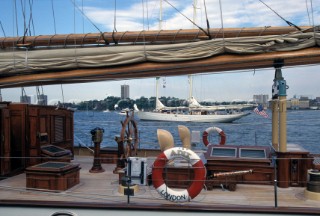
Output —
<point x="26" y="59"/>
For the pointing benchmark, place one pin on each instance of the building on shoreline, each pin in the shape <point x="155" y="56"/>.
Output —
<point x="125" y="92"/>
<point x="262" y="99"/>
<point x="302" y="102"/>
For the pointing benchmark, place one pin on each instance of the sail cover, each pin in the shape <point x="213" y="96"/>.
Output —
<point x="18" y="62"/>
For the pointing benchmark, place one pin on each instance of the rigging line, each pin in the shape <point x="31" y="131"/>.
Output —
<point x="23" y="8"/>
<point x="115" y="16"/>
<point x="82" y="17"/>
<point x="4" y="33"/>
<point x="31" y="18"/>
<point x="114" y="22"/>
<point x="83" y="14"/>
<point x="314" y="29"/>
<point x="144" y="38"/>
<point x="75" y="42"/>
<point x="16" y="16"/>
<point x="308" y="12"/>
<point x="206" y="33"/>
<point x="207" y="20"/>
<point x="54" y="17"/>
<point x="147" y="13"/>
<point x="288" y="22"/>
<point x="221" y="18"/>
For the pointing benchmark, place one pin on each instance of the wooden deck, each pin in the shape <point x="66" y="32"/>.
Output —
<point x="101" y="189"/>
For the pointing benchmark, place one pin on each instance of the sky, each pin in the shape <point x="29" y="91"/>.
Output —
<point x="62" y="17"/>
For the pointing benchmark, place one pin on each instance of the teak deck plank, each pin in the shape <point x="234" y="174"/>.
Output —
<point x="103" y="188"/>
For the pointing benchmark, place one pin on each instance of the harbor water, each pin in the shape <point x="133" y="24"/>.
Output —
<point x="303" y="128"/>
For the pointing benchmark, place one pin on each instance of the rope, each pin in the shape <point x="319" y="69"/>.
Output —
<point x="314" y="29"/>
<point x="114" y="22"/>
<point x="4" y="33"/>
<point x="207" y="20"/>
<point x="15" y="12"/>
<point x="75" y="41"/>
<point x="24" y="20"/>
<point x="31" y="18"/>
<point x="263" y="30"/>
<point x="308" y="12"/>
<point x="144" y="38"/>
<point x="115" y="16"/>
<point x="147" y="14"/>
<point x="54" y="18"/>
<point x="82" y="17"/>
<point x="240" y="32"/>
<point x="206" y="33"/>
<point x="221" y="18"/>
<point x="83" y="14"/>
<point x="288" y="22"/>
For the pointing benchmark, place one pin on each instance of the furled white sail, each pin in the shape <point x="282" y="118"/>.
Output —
<point x="159" y="105"/>
<point x="193" y="103"/>
<point x="19" y="61"/>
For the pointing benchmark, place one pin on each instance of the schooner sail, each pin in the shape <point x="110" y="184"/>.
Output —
<point x="193" y="113"/>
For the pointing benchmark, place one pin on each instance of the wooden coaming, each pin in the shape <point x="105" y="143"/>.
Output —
<point x="25" y="128"/>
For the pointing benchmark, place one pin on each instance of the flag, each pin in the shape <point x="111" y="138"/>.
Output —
<point x="260" y="111"/>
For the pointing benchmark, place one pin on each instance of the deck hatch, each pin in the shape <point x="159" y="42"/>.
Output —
<point x="223" y="152"/>
<point x="252" y="153"/>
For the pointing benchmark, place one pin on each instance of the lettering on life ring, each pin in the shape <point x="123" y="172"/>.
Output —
<point x="199" y="175"/>
<point x="216" y="130"/>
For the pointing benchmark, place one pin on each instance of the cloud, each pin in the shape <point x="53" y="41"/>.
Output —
<point x="245" y="13"/>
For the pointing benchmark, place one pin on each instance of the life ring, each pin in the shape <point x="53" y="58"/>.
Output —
<point x="213" y="129"/>
<point x="199" y="175"/>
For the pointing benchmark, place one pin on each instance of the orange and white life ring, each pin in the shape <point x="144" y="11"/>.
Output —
<point x="210" y="130"/>
<point x="199" y="175"/>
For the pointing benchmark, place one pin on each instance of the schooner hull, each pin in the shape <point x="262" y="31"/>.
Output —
<point x="153" y="116"/>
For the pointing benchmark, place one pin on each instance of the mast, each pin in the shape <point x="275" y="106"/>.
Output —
<point x="194" y="12"/>
<point x="190" y="85"/>
<point x="157" y="91"/>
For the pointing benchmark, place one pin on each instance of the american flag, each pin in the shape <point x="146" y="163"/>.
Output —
<point x="260" y="111"/>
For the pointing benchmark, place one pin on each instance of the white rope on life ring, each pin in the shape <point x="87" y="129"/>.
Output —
<point x="210" y="130"/>
<point x="199" y="175"/>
